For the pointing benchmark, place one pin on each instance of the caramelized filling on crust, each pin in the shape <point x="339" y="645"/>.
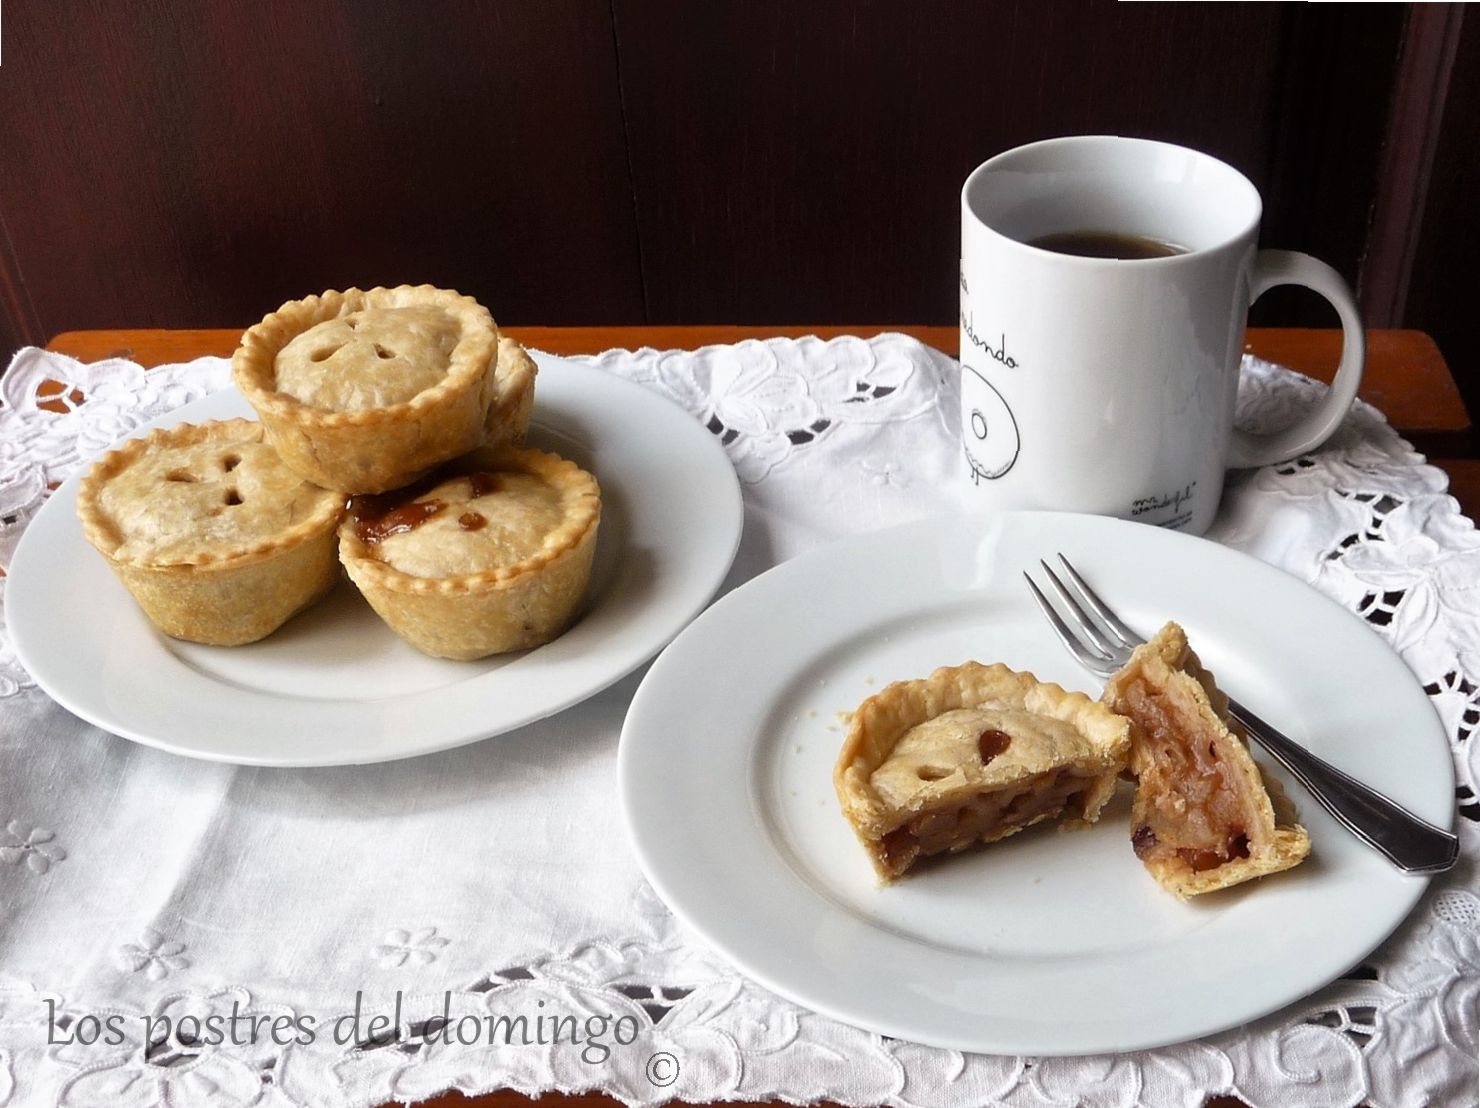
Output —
<point x="489" y="555"/>
<point x="447" y="524"/>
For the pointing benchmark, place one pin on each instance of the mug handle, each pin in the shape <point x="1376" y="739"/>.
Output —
<point x="1288" y="267"/>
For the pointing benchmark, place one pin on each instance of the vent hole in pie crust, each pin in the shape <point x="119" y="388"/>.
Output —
<point x="324" y="354"/>
<point x="181" y="475"/>
<point x="932" y="773"/>
<point x="230" y="462"/>
<point x="382" y="353"/>
<point x="233" y="498"/>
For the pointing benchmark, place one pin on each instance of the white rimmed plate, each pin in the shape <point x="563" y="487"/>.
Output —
<point x="1050" y="942"/>
<point x="335" y="685"/>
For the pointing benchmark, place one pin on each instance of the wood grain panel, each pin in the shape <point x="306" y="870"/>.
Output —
<point x="195" y="162"/>
<point x="803" y="161"/>
<point x="1420" y="88"/>
<point x="1444" y="289"/>
<point x="1332" y="108"/>
<point x="171" y="162"/>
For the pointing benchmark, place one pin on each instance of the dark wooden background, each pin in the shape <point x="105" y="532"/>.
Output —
<point x="196" y="162"/>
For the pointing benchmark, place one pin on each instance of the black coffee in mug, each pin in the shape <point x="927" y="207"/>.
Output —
<point x="1106" y="244"/>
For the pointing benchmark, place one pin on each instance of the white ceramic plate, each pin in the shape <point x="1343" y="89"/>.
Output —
<point x="335" y="685"/>
<point x="1051" y="942"/>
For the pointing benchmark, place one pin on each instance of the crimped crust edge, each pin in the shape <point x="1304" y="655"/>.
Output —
<point x="99" y="531"/>
<point x="903" y="704"/>
<point x="254" y="373"/>
<point x="580" y="495"/>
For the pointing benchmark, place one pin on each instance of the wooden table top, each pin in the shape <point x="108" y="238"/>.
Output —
<point x="1406" y="378"/>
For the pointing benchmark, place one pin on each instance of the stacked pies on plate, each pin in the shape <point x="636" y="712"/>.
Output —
<point x="390" y="440"/>
<point x="974" y="753"/>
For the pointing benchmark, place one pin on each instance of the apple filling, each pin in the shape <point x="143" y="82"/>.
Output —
<point x="1193" y="811"/>
<point x="1204" y="817"/>
<point x="982" y="818"/>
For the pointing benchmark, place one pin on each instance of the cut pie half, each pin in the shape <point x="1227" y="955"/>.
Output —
<point x="1205" y="817"/>
<point x="972" y="754"/>
<point x="218" y="541"/>
<point x="488" y="555"/>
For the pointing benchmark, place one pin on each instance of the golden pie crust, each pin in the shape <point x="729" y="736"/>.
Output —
<point x="364" y="391"/>
<point x="972" y="754"/>
<point x="216" y="539"/>
<point x="1205" y="817"/>
<point x="490" y="555"/>
<point x="512" y="400"/>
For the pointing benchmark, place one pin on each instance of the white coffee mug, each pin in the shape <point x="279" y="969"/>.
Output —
<point x="1107" y="385"/>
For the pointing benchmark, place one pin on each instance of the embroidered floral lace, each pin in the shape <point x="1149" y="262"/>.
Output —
<point x="153" y="908"/>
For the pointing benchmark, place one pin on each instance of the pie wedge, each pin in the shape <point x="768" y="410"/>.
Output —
<point x="365" y="391"/>
<point x="972" y="754"/>
<point x="1204" y="817"/>
<point x="216" y="539"/>
<point x="490" y="554"/>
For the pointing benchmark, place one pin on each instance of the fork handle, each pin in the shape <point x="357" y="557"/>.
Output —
<point x="1412" y="844"/>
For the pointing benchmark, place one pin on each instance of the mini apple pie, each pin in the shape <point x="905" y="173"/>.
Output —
<point x="366" y="391"/>
<point x="491" y="554"/>
<point x="970" y="755"/>
<point x="217" y="540"/>
<point x="1204" y="816"/>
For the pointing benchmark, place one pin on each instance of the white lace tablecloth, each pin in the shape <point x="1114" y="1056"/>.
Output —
<point x="496" y="878"/>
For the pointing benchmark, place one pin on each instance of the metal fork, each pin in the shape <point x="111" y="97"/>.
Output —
<point x="1103" y="644"/>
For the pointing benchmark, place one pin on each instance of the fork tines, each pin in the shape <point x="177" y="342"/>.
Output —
<point x="1101" y="642"/>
